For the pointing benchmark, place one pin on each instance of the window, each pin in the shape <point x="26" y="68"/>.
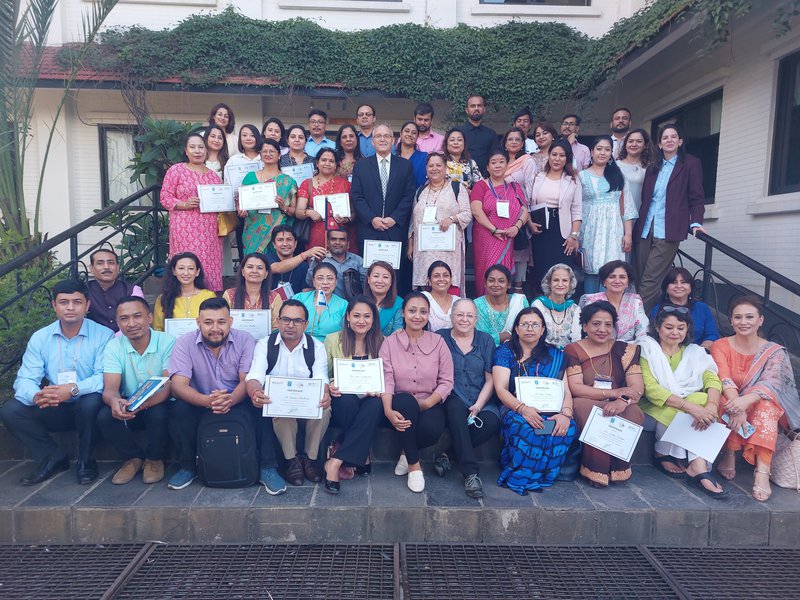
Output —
<point x="116" y="151"/>
<point x="785" y="175"/>
<point x="700" y="122"/>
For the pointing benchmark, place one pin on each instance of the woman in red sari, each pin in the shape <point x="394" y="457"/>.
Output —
<point x="325" y="183"/>
<point x="759" y="389"/>
<point x="499" y="212"/>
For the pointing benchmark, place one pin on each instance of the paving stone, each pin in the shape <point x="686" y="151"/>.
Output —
<point x="225" y="498"/>
<point x="7" y="465"/>
<point x="629" y="527"/>
<point x="392" y="524"/>
<point x="12" y="492"/>
<point x="511" y="526"/>
<point x="447" y="490"/>
<point x="43" y="525"/>
<point x="159" y="495"/>
<point x="784" y="528"/>
<point x="294" y="496"/>
<point x="279" y="525"/>
<point x="61" y="490"/>
<point x="617" y="496"/>
<point x="161" y="524"/>
<point x="6" y="524"/>
<point x="214" y="526"/>
<point x="568" y="527"/>
<point x="354" y="493"/>
<point x="454" y="525"/>
<point x="102" y="525"/>
<point x="563" y="495"/>
<point x="389" y="490"/>
<point x="106" y="494"/>
<point x="681" y="527"/>
<point x="342" y="525"/>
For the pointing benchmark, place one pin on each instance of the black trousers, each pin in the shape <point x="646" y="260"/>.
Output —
<point x="426" y="428"/>
<point x="467" y="437"/>
<point x="119" y="433"/>
<point x="358" y="419"/>
<point x="265" y="437"/>
<point x="31" y="424"/>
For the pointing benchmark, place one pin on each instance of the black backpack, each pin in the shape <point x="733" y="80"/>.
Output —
<point x="227" y="455"/>
<point x="351" y="284"/>
<point x="273" y="349"/>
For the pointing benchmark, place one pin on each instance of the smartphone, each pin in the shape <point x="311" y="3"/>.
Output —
<point x="746" y="431"/>
<point x="547" y="428"/>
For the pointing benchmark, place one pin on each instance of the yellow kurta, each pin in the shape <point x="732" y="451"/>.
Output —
<point x="185" y="308"/>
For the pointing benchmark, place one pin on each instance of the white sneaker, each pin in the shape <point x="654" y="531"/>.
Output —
<point x="416" y="481"/>
<point x="401" y="468"/>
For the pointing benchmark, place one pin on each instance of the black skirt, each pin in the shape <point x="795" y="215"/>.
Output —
<point x="548" y="246"/>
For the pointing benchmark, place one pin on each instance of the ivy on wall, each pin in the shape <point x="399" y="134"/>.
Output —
<point x="514" y="64"/>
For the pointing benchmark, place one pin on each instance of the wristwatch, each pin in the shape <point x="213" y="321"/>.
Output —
<point x="625" y="399"/>
<point x="73" y="390"/>
<point x="575" y="234"/>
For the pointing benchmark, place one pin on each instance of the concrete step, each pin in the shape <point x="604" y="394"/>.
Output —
<point x="650" y="509"/>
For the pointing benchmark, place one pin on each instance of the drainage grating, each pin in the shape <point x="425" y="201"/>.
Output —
<point x="719" y="573"/>
<point x="505" y="572"/>
<point x="61" y="572"/>
<point x="264" y="572"/>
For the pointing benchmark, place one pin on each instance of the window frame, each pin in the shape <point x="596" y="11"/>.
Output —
<point x="779" y="161"/>
<point x="104" y="175"/>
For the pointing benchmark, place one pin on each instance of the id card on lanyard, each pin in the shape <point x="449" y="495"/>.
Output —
<point x="503" y="206"/>
<point x="67" y="375"/>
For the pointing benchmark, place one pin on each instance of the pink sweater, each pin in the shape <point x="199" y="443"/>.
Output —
<point x="419" y="369"/>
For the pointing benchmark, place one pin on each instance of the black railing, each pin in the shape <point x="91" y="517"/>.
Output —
<point x="133" y="231"/>
<point x="782" y="325"/>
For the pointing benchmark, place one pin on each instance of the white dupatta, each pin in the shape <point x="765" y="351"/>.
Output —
<point x="687" y="378"/>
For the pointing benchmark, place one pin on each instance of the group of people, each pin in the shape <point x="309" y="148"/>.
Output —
<point x="636" y="344"/>
<point x="449" y="363"/>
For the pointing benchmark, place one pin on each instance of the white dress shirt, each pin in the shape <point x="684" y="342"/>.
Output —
<point x="290" y="363"/>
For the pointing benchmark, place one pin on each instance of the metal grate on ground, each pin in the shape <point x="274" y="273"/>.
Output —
<point x="264" y="572"/>
<point x="61" y="572"/>
<point x="530" y="572"/>
<point x="722" y="574"/>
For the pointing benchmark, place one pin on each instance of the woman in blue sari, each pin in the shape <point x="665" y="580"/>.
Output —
<point x="531" y="461"/>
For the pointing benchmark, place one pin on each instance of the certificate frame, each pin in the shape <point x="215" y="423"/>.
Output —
<point x="286" y="403"/>
<point x="337" y="201"/>
<point x="354" y="386"/>
<point x="432" y="239"/>
<point x="299" y="172"/>
<point x="235" y="174"/>
<point x="613" y="435"/>
<point x="178" y="327"/>
<point x="257" y="323"/>
<point x="210" y="200"/>
<point x="385" y="250"/>
<point x="545" y="394"/>
<point x="261" y="196"/>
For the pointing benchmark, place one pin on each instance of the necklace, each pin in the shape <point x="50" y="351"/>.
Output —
<point x="610" y="375"/>
<point x="497" y="319"/>
<point x="189" y="300"/>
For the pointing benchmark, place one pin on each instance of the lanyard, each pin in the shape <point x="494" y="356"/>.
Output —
<point x="74" y="354"/>
<point x="505" y="192"/>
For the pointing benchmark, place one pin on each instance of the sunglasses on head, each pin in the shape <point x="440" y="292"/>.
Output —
<point x="682" y="310"/>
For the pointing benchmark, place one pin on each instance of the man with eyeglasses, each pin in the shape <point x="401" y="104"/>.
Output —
<point x="207" y="369"/>
<point x="365" y="120"/>
<point x="341" y="259"/>
<point x="382" y="193"/>
<point x="317" y="123"/>
<point x="473" y="416"/>
<point x="570" y="126"/>
<point x="298" y="356"/>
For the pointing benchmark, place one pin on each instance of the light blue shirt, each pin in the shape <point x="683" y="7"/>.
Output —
<point x="49" y="353"/>
<point x="122" y="358"/>
<point x="367" y="147"/>
<point x="658" y="206"/>
<point x="313" y="147"/>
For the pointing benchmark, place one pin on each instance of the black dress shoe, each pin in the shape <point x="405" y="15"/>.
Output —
<point x="332" y="487"/>
<point x="294" y="472"/>
<point x="87" y="471"/>
<point x="365" y="470"/>
<point x="311" y="469"/>
<point x="46" y="469"/>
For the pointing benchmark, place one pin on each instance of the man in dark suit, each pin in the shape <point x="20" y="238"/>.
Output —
<point x="382" y="193"/>
<point x="672" y="207"/>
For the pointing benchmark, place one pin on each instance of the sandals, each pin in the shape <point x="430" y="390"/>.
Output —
<point x="730" y="472"/>
<point x="658" y="463"/>
<point x="759" y="493"/>
<point x="697" y="481"/>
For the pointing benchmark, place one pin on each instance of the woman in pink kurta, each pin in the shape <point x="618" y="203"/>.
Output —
<point x="499" y="211"/>
<point x="189" y="229"/>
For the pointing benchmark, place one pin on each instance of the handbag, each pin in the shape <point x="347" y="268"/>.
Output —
<point x="302" y="227"/>
<point x="226" y="223"/>
<point x="785" y="467"/>
<point x="572" y="462"/>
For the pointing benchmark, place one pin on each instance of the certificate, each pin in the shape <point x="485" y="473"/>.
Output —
<point x="178" y="327"/>
<point x="340" y="204"/>
<point x="261" y="196"/>
<point x="234" y="174"/>
<point x="216" y="198"/>
<point x="257" y="323"/>
<point x="380" y="250"/>
<point x="359" y="376"/>
<point x="706" y="443"/>
<point x="299" y="172"/>
<point x="430" y="237"/>
<point x="545" y="394"/>
<point x="613" y="435"/>
<point x="146" y="391"/>
<point x="296" y="398"/>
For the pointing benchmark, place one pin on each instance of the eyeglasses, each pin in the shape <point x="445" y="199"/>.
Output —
<point x="290" y="321"/>
<point x="382" y="136"/>
<point x="530" y="325"/>
<point x="569" y="123"/>
<point x="469" y="316"/>
<point x="681" y="310"/>
<point x="316" y="122"/>
<point x="325" y="279"/>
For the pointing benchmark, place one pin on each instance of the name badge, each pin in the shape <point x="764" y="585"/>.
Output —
<point x="503" y="210"/>
<point x="602" y="384"/>
<point x="429" y="216"/>
<point x="66" y="377"/>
